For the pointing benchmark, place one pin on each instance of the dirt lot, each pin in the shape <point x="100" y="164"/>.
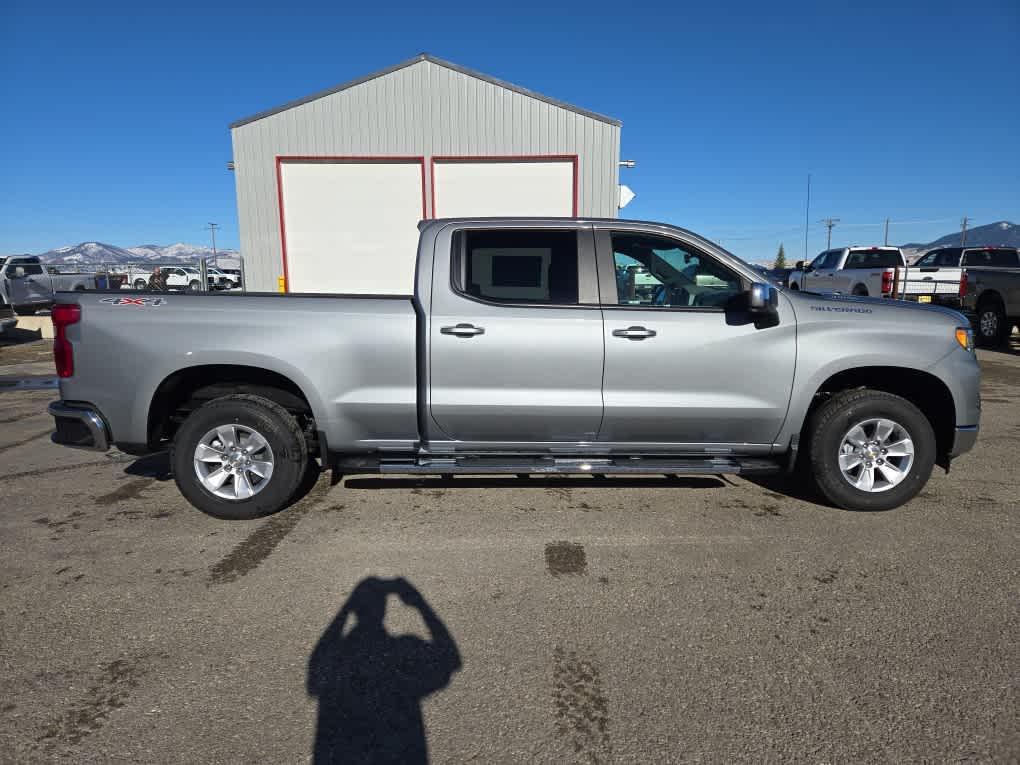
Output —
<point x="557" y="620"/>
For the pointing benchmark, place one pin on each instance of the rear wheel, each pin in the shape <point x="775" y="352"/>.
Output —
<point x="795" y="287"/>
<point x="860" y="291"/>
<point x="992" y="325"/>
<point x="870" y="450"/>
<point x="239" y="457"/>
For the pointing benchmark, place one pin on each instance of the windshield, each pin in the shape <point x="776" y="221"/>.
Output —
<point x="940" y="259"/>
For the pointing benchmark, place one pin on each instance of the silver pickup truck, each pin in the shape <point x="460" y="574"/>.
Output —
<point x="29" y="286"/>
<point x="528" y="346"/>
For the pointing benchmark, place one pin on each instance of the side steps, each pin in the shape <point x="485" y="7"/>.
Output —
<point x="522" y="466"/>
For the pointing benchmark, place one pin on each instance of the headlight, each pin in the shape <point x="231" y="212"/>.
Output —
<point x="965" y="337"/>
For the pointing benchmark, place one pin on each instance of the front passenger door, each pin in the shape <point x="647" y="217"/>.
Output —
<point x="684" y="372"/>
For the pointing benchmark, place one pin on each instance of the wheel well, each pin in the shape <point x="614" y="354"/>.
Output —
<point x="186" y="390"/>
<point x="860" y="289"/>
<point x="925" y="391"/>
<point x="989" y="296"/>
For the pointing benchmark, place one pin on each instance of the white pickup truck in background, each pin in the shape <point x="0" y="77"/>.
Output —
<point x="849" y="271"/>
<point x="937" y="277"/>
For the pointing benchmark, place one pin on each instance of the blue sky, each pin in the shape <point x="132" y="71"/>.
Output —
<point x="115" y="114"/>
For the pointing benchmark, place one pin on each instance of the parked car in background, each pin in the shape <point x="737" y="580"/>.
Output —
<point x="530" y="345"/>
<point x="7" y="317"/>
<point x="220" y="279"/>
<point x="859" y="271"/>
<point x="936" y="276"/>
<point x="29" y="286"/>
<point x="236" y="273"/>
<point x="991" y="299"/>
<point x="183" y="278"/>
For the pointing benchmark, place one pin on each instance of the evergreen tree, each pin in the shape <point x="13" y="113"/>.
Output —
<point x="780" y="258"/>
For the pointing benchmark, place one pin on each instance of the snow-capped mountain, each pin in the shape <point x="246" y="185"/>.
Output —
<point x="93" y="253"/>
<point x="999" y="234"/>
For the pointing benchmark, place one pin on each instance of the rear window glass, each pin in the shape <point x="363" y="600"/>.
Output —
<point x="513" y="266"/>
<point x="940" y="259"/>
<point x="992" y="258"/>
<point x="873" y="259"/>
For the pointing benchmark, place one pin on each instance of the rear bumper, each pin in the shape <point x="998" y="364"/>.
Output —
<point x="964" y="440"/>
<point x="80" y="426"/>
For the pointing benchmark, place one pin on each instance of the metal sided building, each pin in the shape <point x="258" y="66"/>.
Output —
<point x="330" y="188"/>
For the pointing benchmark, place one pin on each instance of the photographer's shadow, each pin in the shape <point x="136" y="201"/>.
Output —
<point x="370" y="684"/>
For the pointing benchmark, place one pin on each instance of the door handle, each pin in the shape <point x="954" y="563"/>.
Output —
<point x="634" y="333"/>
<point x="463" y="330"/>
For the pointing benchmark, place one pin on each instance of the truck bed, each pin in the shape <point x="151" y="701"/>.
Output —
<point x="352" y="356"/>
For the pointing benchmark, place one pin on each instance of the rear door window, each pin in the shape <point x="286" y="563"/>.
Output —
<point x="514" y="267"/>
<point x="993" y="258"/>
<point x="940" y="259"/>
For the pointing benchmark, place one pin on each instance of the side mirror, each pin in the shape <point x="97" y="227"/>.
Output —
<point x="799" y="265"/>
<point x="763" y="305"/>
<point x="19" y="272"/>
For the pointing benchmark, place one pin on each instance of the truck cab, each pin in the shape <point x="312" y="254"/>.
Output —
<point x="861" y="271"/>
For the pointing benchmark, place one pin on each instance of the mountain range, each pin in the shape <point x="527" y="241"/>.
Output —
<point x="93" y="253"/>
<point x="1000" y="234"/>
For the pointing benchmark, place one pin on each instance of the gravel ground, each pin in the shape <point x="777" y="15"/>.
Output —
<point x="549" y="620"/>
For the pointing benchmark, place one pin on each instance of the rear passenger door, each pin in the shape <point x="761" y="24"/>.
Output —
<point x="515" y="338"/>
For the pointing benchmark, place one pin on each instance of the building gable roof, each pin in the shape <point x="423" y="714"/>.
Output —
<point x="439" y="62"/>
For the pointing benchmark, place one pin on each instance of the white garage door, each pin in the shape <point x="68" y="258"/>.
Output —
<point x="351" y="226"/>
<point x="478" y="187"/>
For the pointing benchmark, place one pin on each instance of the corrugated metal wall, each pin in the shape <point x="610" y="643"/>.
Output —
<point x="424" y="109"/>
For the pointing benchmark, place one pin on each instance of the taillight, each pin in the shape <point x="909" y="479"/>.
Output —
<point x="63" y="354"/>
<point x="963" y="285"/>
<point x="887" y="280"/>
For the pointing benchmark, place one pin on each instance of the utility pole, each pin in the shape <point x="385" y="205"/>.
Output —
<point x="963" y="228"/>
<point x="807" y="215"/>
<point x="886" y="231"/>
<point x="212" y="229"/>
<point x="829" y="223"/>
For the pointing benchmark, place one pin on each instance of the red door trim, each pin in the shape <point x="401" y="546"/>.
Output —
<point x="503" y="158"/>
<point x="303" y="158"/>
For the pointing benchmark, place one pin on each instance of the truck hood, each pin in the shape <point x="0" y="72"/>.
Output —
<point x="854" y="304"/>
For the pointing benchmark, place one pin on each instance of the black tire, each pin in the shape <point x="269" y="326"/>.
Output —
<point x="276" y="424"/>
<point x="794" y="287"/>
<point x="839" y="414"/>
<point x="194" y="285"/>
<point x="26" y="310"/>
<point x="140" y="284"/>
<point x="992" y="327"/>
<point x="860" y="291"/>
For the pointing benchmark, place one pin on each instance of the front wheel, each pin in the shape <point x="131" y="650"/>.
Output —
<point x="239" y="457"/>
<point x="194" y="285"/>
<point x="795" y="287"/>
<point x="870" y="450"/>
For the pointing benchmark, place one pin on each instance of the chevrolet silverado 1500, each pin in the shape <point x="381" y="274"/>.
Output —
<point x="529" y="346"/>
